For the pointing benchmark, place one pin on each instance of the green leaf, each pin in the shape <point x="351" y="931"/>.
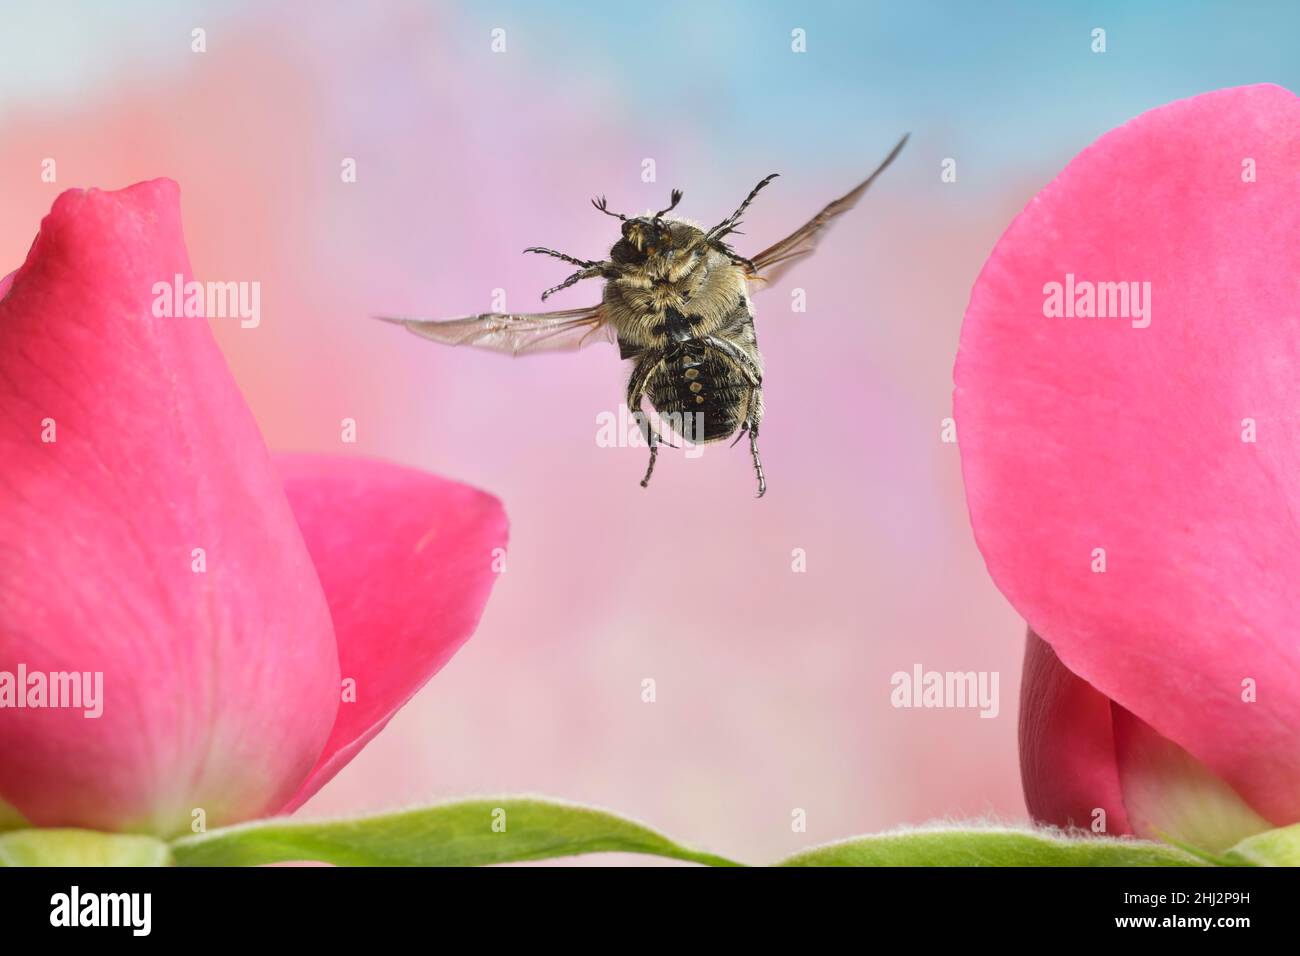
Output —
<point x="1280" y="847"/>
<point x="989" y="846"/>
<point x="449" y="834"/>
<point x="80" y="848"/>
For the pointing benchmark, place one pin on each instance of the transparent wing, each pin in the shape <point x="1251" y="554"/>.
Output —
<point x="773" y="261"/>
<point x="518" y="333"/>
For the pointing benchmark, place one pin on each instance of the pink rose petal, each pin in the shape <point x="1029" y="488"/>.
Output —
<point x="1067" y="747"/>
<point x="406" y="560"/>
<point x="1078" y="434"/>
<point x="219" y="688"/>
<point x="1172" y="796"/>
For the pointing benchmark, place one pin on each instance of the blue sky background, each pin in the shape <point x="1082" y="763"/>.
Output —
<point x="1002" y="82"/>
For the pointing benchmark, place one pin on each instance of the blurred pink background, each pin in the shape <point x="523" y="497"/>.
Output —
<point x="773" y="687"/>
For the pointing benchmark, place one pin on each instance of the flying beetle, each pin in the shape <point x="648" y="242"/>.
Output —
<point x="676" y="302"/>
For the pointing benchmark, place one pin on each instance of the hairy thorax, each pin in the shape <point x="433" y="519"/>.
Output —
<point x="692" y="282"/>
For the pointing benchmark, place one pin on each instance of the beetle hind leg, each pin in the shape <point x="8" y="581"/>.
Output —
<point x="758" y="463"/>
<point x="650" y="468"/>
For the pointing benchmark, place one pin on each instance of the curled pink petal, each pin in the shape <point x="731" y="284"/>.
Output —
<point x="1168" y="450"/>
<point x="126" y="447"/>
<point x="407" y="561"/>
<point x="1067" y="746"/>
<point x="1171" y="796"/>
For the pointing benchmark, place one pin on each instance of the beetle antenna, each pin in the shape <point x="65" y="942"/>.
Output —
<point x="676" y="197"/>
<point x="599" y="203"/>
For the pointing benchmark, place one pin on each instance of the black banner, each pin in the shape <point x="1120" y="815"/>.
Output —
<point x="333" y="905"/>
